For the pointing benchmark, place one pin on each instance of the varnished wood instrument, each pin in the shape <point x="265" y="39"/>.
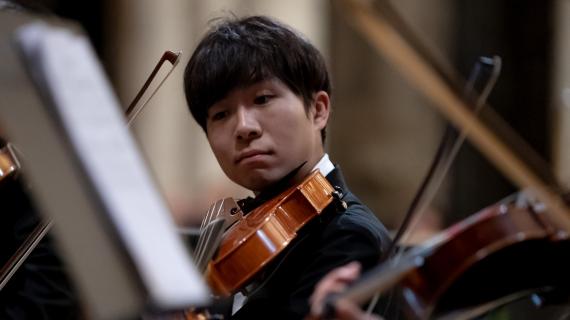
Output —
<point x="258" y="237"/>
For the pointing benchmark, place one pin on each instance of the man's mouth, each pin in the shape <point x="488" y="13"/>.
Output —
<point x="250" y="154"/>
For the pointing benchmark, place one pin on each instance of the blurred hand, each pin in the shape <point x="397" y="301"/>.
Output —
<point x="336" y="281"/>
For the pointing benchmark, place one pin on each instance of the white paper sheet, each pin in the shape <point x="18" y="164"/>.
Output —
<point x="95" y="125"/>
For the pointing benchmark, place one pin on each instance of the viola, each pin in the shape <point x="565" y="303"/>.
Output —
<point x="234" y="247"/>
<point x="255" y="239"/>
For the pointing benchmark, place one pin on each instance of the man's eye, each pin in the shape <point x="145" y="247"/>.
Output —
<point x="262" y="99"/>
<point x="219" y="115"/>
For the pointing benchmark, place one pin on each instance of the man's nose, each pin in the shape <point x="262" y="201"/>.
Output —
<point x="248" y="126"/>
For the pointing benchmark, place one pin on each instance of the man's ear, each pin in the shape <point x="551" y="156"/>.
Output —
<point x="321" y="104"/>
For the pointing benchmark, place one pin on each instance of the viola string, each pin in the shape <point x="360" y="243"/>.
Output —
<point x="205" y="218"/>
<point x="201" y="239"/>
<point x="208" y="243"/>
<point x="204" y="234"/>
<point x="207" y="246"/>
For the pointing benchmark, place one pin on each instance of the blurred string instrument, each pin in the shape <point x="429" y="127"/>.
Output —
<point x="505" y="252"/>
<point x="10" y="167"/>
<point x="485" y="72"/>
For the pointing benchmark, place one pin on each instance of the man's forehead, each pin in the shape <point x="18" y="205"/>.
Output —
<point x="270" y="82"/>
<point x="267" y="81"/>
<point x="254" y="85"/>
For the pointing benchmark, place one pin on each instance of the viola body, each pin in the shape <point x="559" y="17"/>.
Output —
<point x="501" y="250"/>
<point x="258" y="237"/>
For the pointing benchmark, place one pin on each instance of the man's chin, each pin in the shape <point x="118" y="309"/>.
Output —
<point x="257" y="186"/>
<point x="258" y="181"/>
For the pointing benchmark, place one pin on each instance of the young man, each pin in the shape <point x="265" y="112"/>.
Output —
<point x="261" y="92"/>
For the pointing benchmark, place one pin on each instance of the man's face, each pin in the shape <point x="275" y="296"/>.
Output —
<point x="262" y="132"/>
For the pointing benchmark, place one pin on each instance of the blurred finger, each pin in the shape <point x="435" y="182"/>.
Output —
<point x="334" y="282"/>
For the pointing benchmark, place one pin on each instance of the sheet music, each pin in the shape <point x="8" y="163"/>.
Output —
<point x="95" y="125"/>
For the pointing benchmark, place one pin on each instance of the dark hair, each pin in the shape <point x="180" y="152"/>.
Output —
<point x="240" y="52"/>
